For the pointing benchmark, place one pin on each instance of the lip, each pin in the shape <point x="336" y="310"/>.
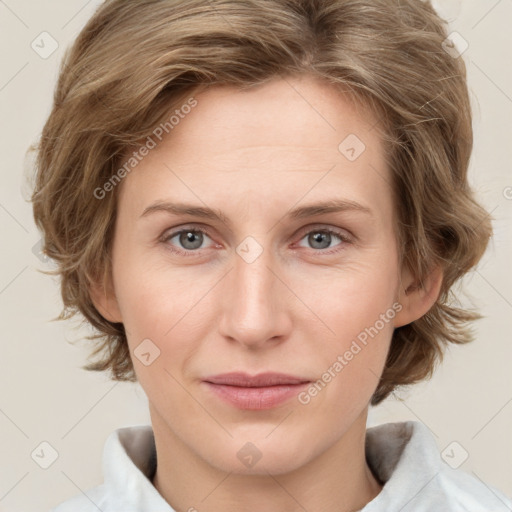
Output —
<point x="242" y="379"/>
<point x="258" y="392"/>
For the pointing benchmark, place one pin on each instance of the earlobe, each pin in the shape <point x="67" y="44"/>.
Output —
<point x="105" y="301"/>
<point x="418" y="297"/>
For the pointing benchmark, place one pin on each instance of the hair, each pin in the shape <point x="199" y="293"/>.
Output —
<point x="134" y="61"/>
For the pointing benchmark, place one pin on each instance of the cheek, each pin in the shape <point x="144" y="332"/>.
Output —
<point x="350" y="299"/>
<point x="164" y="306"/>
<point x="350" y="369"/>
<point x="153" y="297"/>
<point x="359" y="311"/>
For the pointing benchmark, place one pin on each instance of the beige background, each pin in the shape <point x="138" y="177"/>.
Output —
<point x="45" y="396"/>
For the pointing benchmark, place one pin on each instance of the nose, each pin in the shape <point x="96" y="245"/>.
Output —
<point x="255" y="302"/>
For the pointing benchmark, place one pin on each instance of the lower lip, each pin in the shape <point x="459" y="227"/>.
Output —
<point x="256" y="398"/>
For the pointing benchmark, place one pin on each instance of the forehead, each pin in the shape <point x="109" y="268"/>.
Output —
<point x="288" y="138"/>
<point x="303" y="112"/>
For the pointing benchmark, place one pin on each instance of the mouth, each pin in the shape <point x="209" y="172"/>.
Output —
<point x="258" y="392"/>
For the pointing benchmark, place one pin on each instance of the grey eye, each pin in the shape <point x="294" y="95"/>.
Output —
<point x="190" y="239"/>
<point x="320" y="239"/>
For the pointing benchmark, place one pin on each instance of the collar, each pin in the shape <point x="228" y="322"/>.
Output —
<point x="394" y="451"/>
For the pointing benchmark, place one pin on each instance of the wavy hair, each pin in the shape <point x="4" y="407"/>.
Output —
<point x="134" y="61"/>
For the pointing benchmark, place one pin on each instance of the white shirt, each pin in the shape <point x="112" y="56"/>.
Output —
<point x="403" y="455"/>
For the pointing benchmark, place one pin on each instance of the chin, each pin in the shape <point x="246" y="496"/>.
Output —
<point x="250" y="456"/>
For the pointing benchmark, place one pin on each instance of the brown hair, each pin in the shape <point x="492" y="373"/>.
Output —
<point x="136" y="60"/>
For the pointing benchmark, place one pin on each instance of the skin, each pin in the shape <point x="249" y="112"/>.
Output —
<point x="255" y="155"/>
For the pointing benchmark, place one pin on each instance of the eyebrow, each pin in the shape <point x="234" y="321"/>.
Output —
<point x="301" y="212"/>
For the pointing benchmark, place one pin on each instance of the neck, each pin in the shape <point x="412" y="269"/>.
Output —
<point x="337" y="480"/>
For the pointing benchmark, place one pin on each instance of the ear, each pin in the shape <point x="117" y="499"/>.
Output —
<point x="417" y="297"/>
<point x="104" y="299"/>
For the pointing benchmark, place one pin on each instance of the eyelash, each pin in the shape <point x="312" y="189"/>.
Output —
<point x="345" y="239"/>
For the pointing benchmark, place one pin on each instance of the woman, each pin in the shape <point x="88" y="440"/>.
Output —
<point x="262" y="208"/>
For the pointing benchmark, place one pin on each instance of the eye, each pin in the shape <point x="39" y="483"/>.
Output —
<point x="187" y="240"/>
<point x="322" y="238"/>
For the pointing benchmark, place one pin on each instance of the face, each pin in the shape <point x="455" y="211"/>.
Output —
<point x="265" y="283"/>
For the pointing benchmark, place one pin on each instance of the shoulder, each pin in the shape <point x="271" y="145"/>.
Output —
<point x="129" y="460"/>
<point x="406" y="458"/>
<point x="468" y="493"/>
<point x="93" y="500"/>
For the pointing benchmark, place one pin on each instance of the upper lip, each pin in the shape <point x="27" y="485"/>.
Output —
<point x="261" y="380"/>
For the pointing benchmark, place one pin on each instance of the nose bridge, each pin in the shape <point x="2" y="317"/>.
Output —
<point x="252" y="272"/>
<point x="254" y="309"/>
